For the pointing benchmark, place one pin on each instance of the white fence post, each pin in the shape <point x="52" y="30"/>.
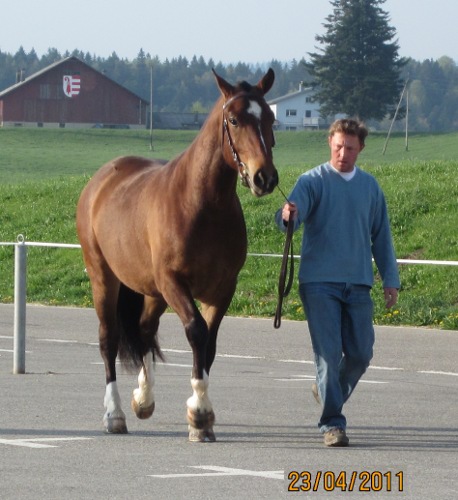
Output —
<point x="20" y="292"/>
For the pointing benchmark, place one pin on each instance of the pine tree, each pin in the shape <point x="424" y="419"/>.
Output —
<point x="357" y="72"/>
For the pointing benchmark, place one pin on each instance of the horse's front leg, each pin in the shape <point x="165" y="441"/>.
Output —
<point x="143" y="398"/>
<point x="200" y="411"/>
<point x="199" y="408"/>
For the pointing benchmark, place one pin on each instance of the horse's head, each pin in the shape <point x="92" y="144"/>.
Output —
<point x="248" y="136"/>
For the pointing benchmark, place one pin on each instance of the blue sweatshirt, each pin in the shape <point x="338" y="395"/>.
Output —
<point x="345" y="224"/>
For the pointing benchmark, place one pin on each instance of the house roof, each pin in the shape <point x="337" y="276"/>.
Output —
<point x="32" y="77"/>
<point x="286" y="97"/>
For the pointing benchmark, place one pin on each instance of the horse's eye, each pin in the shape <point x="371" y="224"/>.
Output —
<point x="233" y="121"/>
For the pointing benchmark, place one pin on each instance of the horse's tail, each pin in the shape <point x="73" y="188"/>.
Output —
<point x="131" y="347"/>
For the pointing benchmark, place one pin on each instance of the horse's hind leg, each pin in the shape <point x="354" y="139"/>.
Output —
<point x="143" y="397"/>
<point x="105" y="288"/>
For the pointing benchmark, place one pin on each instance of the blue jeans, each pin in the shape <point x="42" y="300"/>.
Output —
<point x="340" y="319"/>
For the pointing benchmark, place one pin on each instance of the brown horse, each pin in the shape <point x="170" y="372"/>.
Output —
<point x="156" y="233"/>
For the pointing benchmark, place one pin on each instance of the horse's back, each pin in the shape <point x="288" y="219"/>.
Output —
<point x="122" y="168"/>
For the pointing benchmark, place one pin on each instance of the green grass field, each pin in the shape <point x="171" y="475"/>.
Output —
<point x="42" y="172"/>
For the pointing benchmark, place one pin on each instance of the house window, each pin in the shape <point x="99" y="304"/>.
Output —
<point x="309" y="99"/>
<point x="291" y="112"/>
<point x="308" y="113"/>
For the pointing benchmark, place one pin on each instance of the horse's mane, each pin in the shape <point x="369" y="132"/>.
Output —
<point x="245" y="86"/>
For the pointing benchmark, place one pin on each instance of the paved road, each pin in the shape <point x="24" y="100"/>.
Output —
<point x="403" y="417"/>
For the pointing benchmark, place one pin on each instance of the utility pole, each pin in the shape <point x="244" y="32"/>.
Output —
<point x="407" y="120"/>
<point x="151" y="110"/>
<point x="394" y="117"/>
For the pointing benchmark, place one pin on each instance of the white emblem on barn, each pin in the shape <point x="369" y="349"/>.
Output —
<point x="71" y="85"/>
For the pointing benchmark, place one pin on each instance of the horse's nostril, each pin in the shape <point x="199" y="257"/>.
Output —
<point x="260" y="179"/>
<point x="273" y="182"/>
<point x="265" y="182"/>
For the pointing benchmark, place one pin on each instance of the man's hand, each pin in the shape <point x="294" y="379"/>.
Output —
<point x="289" y="211"/>
<point x="391" y="296"/>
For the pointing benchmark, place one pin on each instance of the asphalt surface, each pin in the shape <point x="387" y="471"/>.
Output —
<point x="402" y="418"/>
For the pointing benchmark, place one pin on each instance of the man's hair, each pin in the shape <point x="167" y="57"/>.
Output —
<point x="349" y="127"/>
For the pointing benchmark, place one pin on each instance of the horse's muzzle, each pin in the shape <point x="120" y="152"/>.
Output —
<point x="265" y="182"/>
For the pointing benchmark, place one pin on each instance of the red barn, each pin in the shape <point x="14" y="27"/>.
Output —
<point x="69" y="93"/>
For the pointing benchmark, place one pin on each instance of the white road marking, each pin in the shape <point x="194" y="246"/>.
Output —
<point x="302" y="378"/>
<point x="58" y="341"/>
<point x="432" y="372"/>
<point x="224" y="472"/>
<point x="386" y="368"/>
<point x="37" y="442"/>
<point x="238" y="356"/>
<point x="296" y="361"/>
<point x="298" y="378"/>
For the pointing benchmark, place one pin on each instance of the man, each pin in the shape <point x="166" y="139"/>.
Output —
<point x="345" y="220"/>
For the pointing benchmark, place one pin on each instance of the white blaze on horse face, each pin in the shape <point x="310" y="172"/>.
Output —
<point x="255" y="109"/>
<point x="144" y="395"/>
<point x="199" y="401"/>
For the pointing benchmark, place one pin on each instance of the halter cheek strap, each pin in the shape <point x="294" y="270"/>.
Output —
<point x="243" y="172"/>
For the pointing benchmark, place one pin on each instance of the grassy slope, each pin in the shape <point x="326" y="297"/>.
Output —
<point x="43" y="171"/>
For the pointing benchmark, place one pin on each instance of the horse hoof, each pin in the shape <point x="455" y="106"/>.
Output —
<point x="115" y="426"/>
<point x="201" y="420"/>
<point x="201" y="426"/>
<point x="201" y="435"/>
<point x="141" y="411"/>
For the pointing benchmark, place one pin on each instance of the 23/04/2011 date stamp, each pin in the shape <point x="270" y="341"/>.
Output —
<point x="364" y="481"/>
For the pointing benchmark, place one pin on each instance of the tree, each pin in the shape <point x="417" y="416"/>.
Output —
<point x="358" y="70"/>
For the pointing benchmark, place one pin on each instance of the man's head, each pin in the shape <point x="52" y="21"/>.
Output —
<point x="346" y="140"/>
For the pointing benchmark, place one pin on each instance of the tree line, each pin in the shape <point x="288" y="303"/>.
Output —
<point x="183" y="85"/>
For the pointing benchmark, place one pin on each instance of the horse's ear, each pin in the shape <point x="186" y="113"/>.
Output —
<point x="266" y="82"/>
<point x="226" y="88"/>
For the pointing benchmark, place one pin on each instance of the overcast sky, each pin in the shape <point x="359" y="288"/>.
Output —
<point x="249" y="31"/>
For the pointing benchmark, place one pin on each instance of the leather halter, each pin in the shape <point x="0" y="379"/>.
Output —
<point x="243" y="172"/>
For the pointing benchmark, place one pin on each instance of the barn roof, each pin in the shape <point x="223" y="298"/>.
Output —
<point x="30" y="78"/>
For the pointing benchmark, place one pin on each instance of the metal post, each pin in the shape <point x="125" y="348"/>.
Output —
<point x="20" y="288"/>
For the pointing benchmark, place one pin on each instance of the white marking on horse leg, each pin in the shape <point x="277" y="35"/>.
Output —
<point x="114" y="419"/>
<point x="143" y="397"/>
<point x="199" y="401"/>
<point x="200" y="412"/>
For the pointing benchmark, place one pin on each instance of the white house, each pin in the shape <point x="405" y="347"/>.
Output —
<point x="298" y="111"/>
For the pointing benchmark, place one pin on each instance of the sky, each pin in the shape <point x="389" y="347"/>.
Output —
<point x="232" y="31"/>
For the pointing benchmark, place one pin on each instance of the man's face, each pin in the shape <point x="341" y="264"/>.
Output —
<point x="344" y="151"/>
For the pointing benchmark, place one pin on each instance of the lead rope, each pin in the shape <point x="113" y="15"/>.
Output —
<point x="283" y="290"/>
